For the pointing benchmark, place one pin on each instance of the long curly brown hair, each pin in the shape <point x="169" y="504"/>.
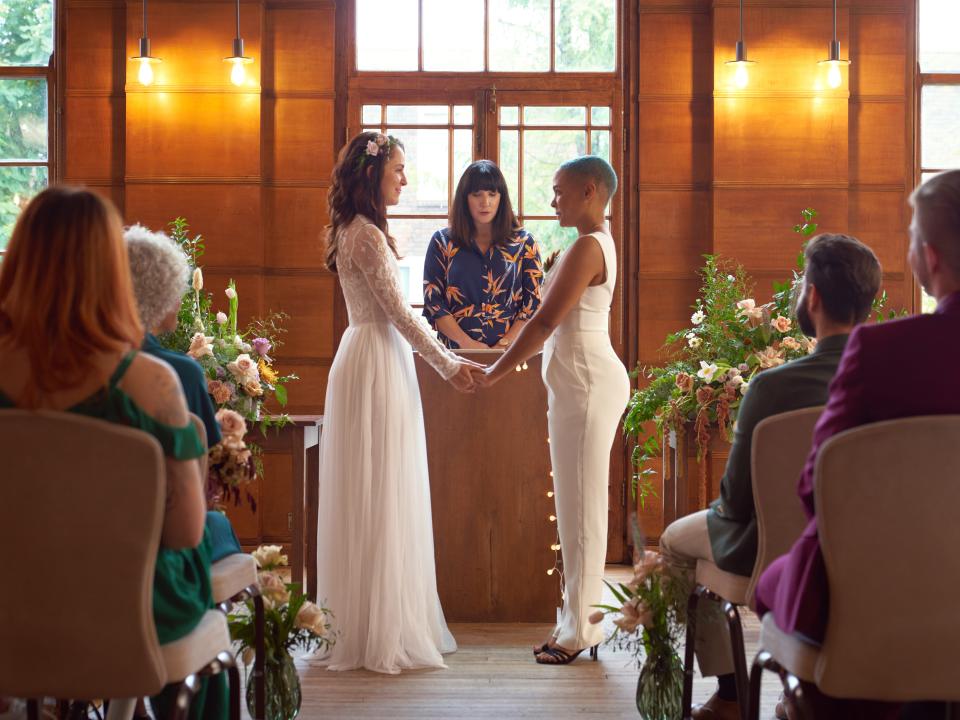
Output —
<point x="355" y="189"/>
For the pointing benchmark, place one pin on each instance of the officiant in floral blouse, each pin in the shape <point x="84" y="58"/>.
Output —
<point x="482" y="274"/>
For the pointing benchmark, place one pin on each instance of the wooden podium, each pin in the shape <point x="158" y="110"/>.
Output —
<point x="489" y="476"/>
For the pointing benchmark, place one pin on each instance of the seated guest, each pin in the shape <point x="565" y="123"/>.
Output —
<point x="481" y="276"/>
<point x="842" y="278"/>
<point x="161" y="274"/>
<point x="864" y="391"/>
<point x="69" y="337"/>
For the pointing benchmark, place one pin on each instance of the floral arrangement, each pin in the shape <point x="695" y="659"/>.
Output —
<point x="650" y="624"/>
<point x="730" y="340"/>
<point x="230" y="464"/>
<point x="380" y="143"/>
<point x="240" y="371"/>
<point x="291" y="621"/>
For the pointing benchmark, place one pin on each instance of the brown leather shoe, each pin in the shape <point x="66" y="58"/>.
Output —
<point x="716" y="709"/>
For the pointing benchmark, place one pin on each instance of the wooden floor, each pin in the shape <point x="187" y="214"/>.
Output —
<point x="493" y="675"/>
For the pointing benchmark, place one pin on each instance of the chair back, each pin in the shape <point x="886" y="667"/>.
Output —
<point x="781" y="445"/>
<point x="82" y="501"/>
<point x="886" y="498"/>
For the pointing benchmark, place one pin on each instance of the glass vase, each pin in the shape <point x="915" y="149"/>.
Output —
<point x="282" y="689"/>
<point x="660" y="686"/>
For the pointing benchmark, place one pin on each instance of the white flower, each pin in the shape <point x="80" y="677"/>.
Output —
<point x="748" y="309"/>
<point x="221" y="318"/>
<point x="744" y="388"/>
<point x="698" y="317"/>
<point x="198" y="280"/>
<point x="230" y="293"/>
<point x="707" y="371"/>
<point x="200" y="346"/>
<point x="770" y="357"/>
<point x="244" y="369"/>
<point x="312" y="618"/>
<point x="269" y="557"/>
<point x="731" y="278"/>
<point x="694" y="342"/>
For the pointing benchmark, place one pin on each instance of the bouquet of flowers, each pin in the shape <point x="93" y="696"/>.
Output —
<point x="240" y="371"/>
<point x="730" y="340"/>
<point x="230" y="462"/>
<point x="291" y="621"/>
<point x="650" y="624"/>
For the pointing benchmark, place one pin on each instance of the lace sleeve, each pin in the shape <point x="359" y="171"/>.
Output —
<point x="369" y="253"/>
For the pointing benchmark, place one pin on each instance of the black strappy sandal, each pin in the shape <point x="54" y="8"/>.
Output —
<point x="562" y="657"/>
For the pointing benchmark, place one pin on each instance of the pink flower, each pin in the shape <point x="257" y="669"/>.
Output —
<point x="200" y="345"/>
<point x="244" y="368"/>
<point x="221" y="318"/>
<point x="232" y="423"/>
<point x="220" y="391"/>
<point x="770" y="357"/>
<point x="230" y="293"/>
<point x="596" y="617"/>
<point x="373" y="149"/>
<point x="791" y="343"/>
<point x="782" y="324"/>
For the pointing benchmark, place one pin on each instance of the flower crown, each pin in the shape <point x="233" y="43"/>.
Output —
<point x="381" y="144"/>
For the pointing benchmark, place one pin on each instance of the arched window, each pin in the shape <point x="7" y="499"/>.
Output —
<point x="27" y="81"/>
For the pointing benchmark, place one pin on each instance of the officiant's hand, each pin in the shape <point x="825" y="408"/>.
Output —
<point x="465" y="378"/>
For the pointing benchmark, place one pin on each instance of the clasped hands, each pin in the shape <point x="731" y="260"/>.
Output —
<point x="471" y="375"/>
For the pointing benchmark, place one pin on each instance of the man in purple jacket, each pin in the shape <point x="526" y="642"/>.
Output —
<point x="876" y="381"/>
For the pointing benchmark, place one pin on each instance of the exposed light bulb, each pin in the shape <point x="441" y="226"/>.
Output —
<point x="741" y="77"/>
<point x="550" y="571"/>
<point x="145" y="74"/>
<point x="552" y="518"/>
<point x="834" y="78"/>
<point x="554" y="547"/>
<point x="238" y="74"/>
<point x="549" y="493"/>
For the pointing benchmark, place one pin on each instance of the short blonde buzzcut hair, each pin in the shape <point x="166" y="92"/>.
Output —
<point x="160" y="273"/>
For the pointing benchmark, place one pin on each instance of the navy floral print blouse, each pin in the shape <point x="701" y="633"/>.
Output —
<point x="485" y="293"/>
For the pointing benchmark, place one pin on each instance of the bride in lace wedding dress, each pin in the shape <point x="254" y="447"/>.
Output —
<point x="375" y="536"/>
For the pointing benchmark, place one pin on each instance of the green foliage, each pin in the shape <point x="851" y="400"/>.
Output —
<point x="26" y="38"/>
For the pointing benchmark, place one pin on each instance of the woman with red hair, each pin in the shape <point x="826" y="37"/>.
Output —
<point x="69" y="333"/>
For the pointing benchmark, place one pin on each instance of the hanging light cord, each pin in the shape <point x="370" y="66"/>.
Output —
<point x="144" y="18"/>
<point x="238" y="19"/>
<point x="834" y="19"/>
<point x="741" y="21"/>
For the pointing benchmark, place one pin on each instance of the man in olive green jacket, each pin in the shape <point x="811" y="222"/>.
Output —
<point x="841" y="279"/>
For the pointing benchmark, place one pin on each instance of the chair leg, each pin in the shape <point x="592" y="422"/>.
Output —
<point x="33" y="710"/>
<point x="229" y="663"/>
<point x="687" y="700"/>
<point x="793" y="692"/>
<point x="186" y="692"/>
<point x="756" y="678"/>
<point x="739" y="655"/>
<point x="260" y="656"/>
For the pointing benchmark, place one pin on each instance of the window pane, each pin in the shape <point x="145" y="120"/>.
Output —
<point x="533" y="115"/>
<point x="543" y="151"/>
<point x="413" y="236"/>
<point x="520" y="35"/>
<point x="600" y="115"/>
<point x="510" y="115"/>
<point x="427" y="164"/>
<point x="452" y="35"/>
<point x="371" y="115"/>
<point x="510" y="164"/>
<point x="23" y="119"/>
<point x="17" y="186"/>
<point x="600" y="144"/>
<point x="418" y="114"/>
<point x="939" y="49"/>
<point x="585" y="36"/>
<point x="387" y="34"/>
<point x="462" y="154"/>
<point x="26" y="32"/>
<point x="549" y="235"/>
<point x="940" y="127"/>
<point x="463" y="115"/>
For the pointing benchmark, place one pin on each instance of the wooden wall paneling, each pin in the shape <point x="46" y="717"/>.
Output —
<point x="878" y="42"/>
<point x="249" y="283"/>
<point x="303" y="41"/>
<point x="880" y="219"/>
<point x="308" y="299"/>
<point x="674" y="141"/>
<point x="309" y="392"/>
<point x="666" y="304"/>
<point x="877" y="147"/>
<point x="94" y="38"/>
<point x="754" y="224"/>
<point x="91" y="149"/>
<point x="228" y="215"/>
<point x="675" y="232"/>
<point x="301" y="149"/>
<point x="294" y="220"/>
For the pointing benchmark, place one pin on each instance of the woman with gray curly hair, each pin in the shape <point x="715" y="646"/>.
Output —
<point x="161" y="275"/>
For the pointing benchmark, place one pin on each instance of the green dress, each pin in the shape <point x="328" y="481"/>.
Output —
<point x="181" y="582"/>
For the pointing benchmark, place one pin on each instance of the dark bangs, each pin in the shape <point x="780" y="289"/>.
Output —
<point x="482" y="176"/>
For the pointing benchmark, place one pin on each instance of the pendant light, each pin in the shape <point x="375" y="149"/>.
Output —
<point x="238" y="74"/>
<point x="833" y="61"/>
<point x="741" y="77"/>
<point x="145" y="74"/>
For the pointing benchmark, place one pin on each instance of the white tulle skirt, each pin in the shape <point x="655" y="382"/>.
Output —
<point x="375" y="556"/>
